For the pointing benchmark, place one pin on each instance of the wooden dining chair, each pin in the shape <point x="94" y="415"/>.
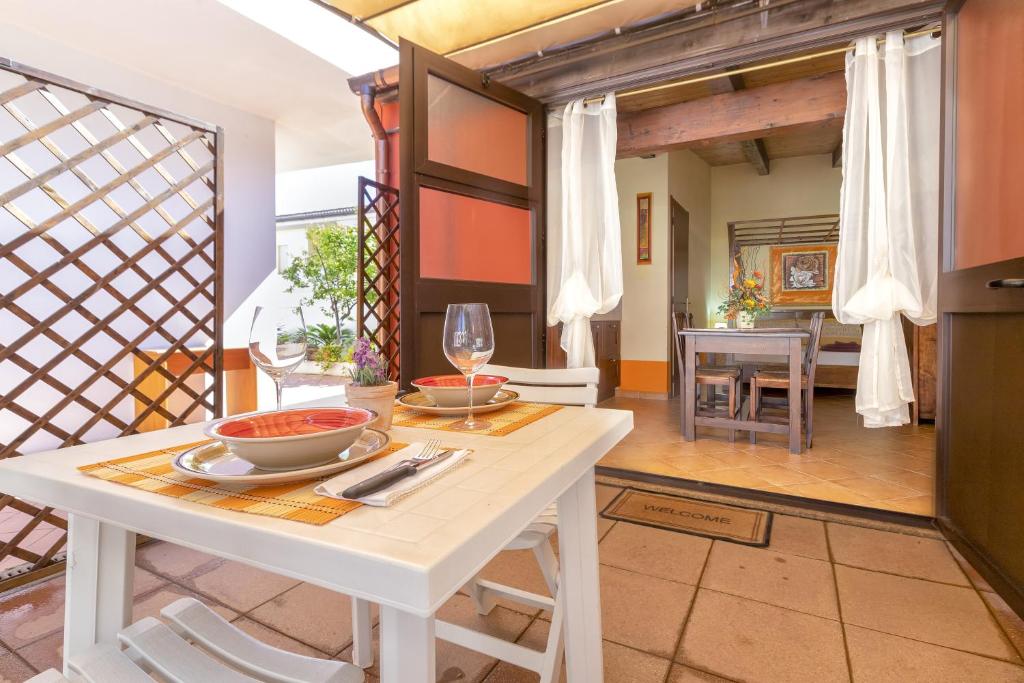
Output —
<point x="726" y="376"/>
<point x="573" y="386"/>
<point x="779" y="379"/>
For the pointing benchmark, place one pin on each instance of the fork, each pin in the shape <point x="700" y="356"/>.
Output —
<point x="429" y="450"/>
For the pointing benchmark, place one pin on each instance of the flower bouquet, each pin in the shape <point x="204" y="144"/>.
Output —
<point x="747" y="298"/>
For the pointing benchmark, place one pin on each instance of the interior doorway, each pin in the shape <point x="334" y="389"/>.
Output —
<point x="678" y="273"/>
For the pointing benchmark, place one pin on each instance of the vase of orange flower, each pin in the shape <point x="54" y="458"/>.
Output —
<point x="747" y="299"/>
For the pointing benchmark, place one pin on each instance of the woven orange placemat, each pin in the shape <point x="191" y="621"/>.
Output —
<point x="297" y="501"/>
<point x="503" y="422"/>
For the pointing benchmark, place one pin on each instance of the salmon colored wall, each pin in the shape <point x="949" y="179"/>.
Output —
<point x="388" y="112"/>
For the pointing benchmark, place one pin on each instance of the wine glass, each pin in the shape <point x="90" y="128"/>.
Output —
<point x="468" y="344"/>
<point x="277" y="343"/>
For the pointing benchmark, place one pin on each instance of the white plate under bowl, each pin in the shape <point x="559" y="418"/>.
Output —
<point x="422" y="403"/>
<point x="213" y="461"/>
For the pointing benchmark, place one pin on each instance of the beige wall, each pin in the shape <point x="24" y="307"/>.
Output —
<point x="797" y="186"/>
<point x="689" y="181"/>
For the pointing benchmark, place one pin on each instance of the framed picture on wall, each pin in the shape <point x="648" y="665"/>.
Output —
<point x="803" y="274"/>
<point x="643" y="228"/>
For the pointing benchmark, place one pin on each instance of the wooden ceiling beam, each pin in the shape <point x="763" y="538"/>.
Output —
<point x="736" y="116"/>
<point x="837" y="155"/>
<point x="754" y="150"/>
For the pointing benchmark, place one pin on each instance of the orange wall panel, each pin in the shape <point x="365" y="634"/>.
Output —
<point x="650" y="376"/>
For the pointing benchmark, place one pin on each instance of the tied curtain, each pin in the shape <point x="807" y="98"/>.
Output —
<point x="584" y="240"/>
<point x="887" y="264"/>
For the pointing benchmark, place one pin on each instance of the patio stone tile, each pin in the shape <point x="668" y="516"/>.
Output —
<point x="620" y="663"/>
<point x="151" y="604"/>
<point x="519" y="569"/>
<point x="977" y="579"/>
<point x="32" y="612"/>
<point x="1012" y="624"/>
<point x="455" y="663"/>
<point x="881" y="658"/>
<point x="936" y="613"/>
<point x="643" y="612"/>
<point x="655" y="552"/>
<point x="175" y="561"/>
<point x="750" y="641"/>
<point x="790" y="581"/>
<point x="45" y="653"/>
<point x="312" y="615"/>
<point x="885" y="551"/>
<point x="276" y="639"/>
<point x="684" y="674"/>
<point x="240" y="586"/>
<point x="12" y="668"/>
<point x="605" y="494"/>
<point x="798" y="536"/>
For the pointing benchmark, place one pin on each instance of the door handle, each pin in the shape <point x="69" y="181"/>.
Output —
<point x="1006" y="283"/>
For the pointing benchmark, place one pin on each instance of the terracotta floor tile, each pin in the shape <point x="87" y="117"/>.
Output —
<point x="620" y="663"/>
<point x="1012" y="624"/>
<point x="691" y="464"/>
<point x="738" y="458"/>
<point x="684" y="674"/>
<point x="751" y="641"/>
<point x="922" y="483"/>
<point x="315" y="616"/>
<point x="742" y="478"/>
<point x="781" y="475"/>
<point x="277" y="639"/>
<point x="822" y="469"/>
<point x="875" y="489"/>
<point x="643" y="612"/>
<point x="828" y="490"/>
<point x="240" y="586"/>
<point x="796" y="583"/>
<point x="798" y="536"/>
<point x="12" y="668"/>
<point x="885" y="551"/>
<point x="881" y="658"/>
<point x="455" y="663"/>
<point x="655" y="552"/>
<point x="936" y="613"/>
<point x="915" y="505"/>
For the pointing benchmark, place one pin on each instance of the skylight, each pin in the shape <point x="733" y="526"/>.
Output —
<point x="320" y="31"/>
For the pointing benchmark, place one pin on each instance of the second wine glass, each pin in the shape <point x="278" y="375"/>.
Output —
<point x="468" y="345"/>
<point x="277" y="343"/>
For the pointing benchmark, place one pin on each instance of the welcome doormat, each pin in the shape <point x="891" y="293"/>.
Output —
<point x="692" y="516"/>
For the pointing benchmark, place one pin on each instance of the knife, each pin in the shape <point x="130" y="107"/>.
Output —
<point x="382" y="480"/>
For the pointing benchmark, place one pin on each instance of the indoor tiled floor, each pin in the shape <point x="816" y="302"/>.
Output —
<point x="824" y="602"/>
<point x="892" y="468"/>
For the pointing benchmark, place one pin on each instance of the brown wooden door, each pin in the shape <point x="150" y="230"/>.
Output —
<point x="472" y="223"/>
<point x="679" y="277"/>
<point x="981" y="291"/>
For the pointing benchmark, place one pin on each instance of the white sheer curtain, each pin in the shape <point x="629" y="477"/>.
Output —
<point x="585" y="248"/>
<point x="889" y="208"/>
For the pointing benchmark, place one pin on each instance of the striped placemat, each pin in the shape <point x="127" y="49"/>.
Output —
<point x="503" y="422"/>
<point x="297" y="501"/>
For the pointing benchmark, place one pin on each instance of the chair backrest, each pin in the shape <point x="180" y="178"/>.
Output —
<point x="566" y="386"/>
<point x="811" y="354"/>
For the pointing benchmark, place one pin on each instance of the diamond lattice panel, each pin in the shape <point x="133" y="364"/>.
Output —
<point x="377" y="308"/>
<point x="109" y="280"/>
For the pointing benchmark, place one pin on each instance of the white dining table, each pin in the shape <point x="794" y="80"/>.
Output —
<point x="409" y="558"/>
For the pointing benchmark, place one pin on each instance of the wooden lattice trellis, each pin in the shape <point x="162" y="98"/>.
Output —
<point x="377" y="307"/>
<point x="110" y="279"/>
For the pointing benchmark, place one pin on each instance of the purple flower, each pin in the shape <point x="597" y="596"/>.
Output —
<point x="370" y="368"/>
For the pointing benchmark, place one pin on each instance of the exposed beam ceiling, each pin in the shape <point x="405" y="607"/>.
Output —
<point x="737" y="116"/>
<point x="753" y="149"/>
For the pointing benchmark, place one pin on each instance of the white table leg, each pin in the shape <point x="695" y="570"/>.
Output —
<point x="580" y="583"/>
<point x="406" y="647"/>
<point x="362" y="634"/>
<point x="98" y="600"/>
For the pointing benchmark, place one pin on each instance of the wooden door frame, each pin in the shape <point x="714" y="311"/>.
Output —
<point x="673" y="372"/>
<point x="418" y="171"/>
<point x="973" y="280"/>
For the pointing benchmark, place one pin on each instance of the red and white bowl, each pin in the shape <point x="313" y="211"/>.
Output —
<point x="449" y="391"/>
<point x="291" y="439"/>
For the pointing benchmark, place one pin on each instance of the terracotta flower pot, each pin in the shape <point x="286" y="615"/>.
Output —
<point x="380" y="399"/>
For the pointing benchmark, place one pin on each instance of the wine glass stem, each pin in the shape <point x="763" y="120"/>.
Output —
<point x="278" y="385"/>
<point x="469" y="385"/>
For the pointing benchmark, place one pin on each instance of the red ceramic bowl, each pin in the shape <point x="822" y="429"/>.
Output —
<point x="291" y="439"/>
<point x="449" y="391"/>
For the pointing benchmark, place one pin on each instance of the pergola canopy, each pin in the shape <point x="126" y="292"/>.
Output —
<point x="481" y="33"/>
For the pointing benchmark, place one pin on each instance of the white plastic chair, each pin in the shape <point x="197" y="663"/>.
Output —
<point x="153" y="647"/>
<point x="576" y="386"/>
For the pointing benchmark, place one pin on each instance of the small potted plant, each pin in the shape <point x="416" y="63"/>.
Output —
<point x="370" y="387"/>
<point x="747" y="299"/>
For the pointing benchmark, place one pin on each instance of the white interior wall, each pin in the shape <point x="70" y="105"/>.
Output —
<point x="689" y="181"/>
<point x="796" y="186"/>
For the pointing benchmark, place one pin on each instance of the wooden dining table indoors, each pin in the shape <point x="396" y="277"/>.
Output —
<point x="758" y="341"/>
<point x="409" y="558"/>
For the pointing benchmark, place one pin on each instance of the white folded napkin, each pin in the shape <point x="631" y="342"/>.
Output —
<point x="333" y="487"/>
